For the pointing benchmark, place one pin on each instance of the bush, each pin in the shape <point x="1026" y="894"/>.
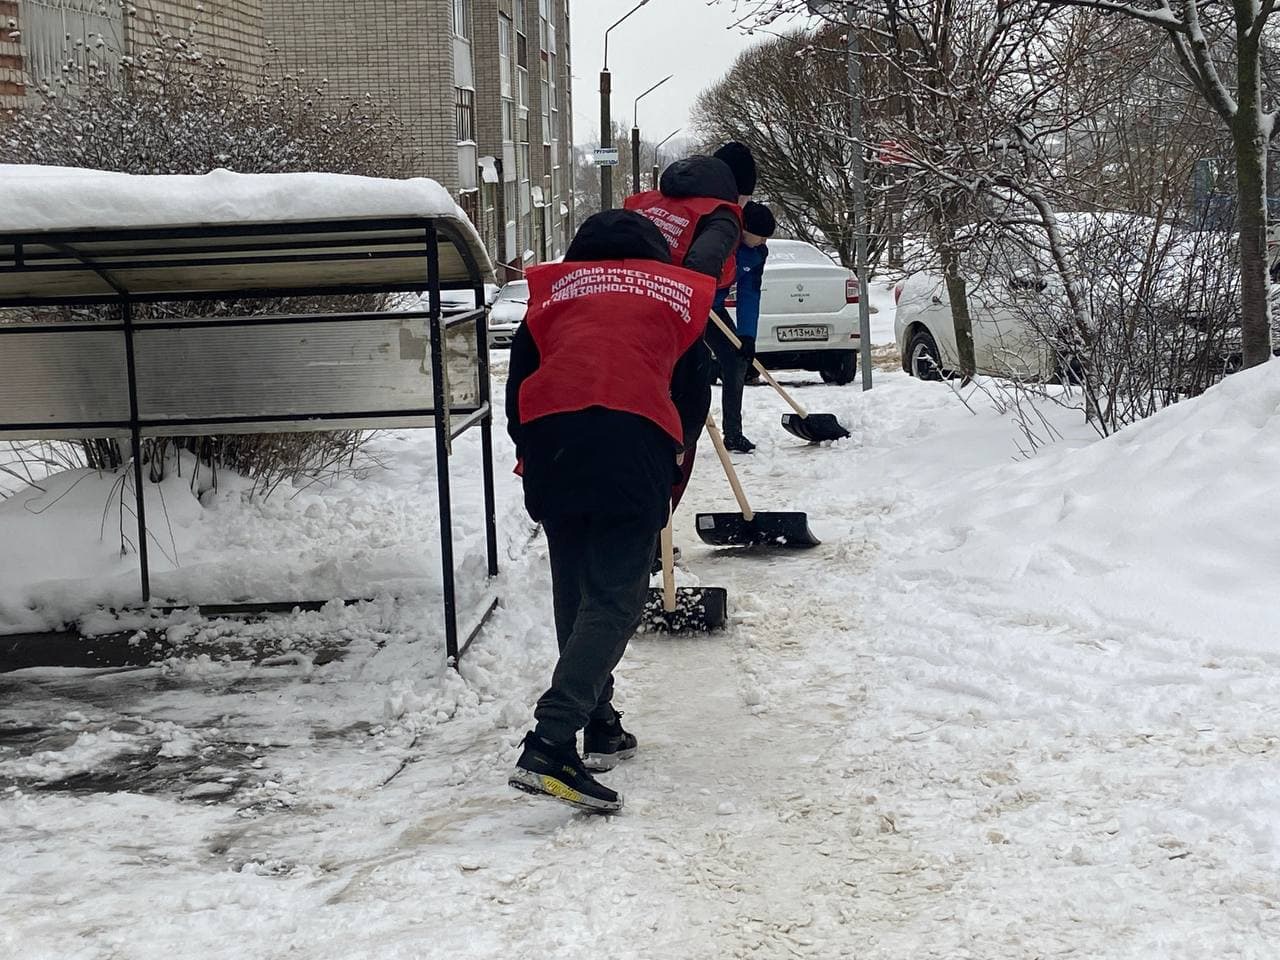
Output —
<point x="167" y="109"/>
<point x="1163" y="313"/>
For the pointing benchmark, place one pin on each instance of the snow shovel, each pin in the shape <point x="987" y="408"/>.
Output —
<point x="810" y="427"/>
<point x="748" y="528"/>
<point x="687" y="610"/>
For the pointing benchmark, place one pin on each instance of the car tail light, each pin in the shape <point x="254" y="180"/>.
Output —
<point x="732" y="299"/>
<point x="851" y="290"/>
<point x="897" y="289"/>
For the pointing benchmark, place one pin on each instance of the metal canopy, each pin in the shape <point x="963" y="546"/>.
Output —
<point x="250" y="373"/>
<point x="297" y="258"/>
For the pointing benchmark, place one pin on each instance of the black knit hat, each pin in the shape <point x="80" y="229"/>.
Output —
<point x="618" y="235"/>
<point x="758" y="219"/>
<point x="742" y="163"/>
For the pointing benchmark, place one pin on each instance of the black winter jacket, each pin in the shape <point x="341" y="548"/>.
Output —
<point x="716" y="236"/>
<point x="601" y="461"/>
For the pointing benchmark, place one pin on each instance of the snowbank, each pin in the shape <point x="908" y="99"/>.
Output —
<point x="1168" y="527"/>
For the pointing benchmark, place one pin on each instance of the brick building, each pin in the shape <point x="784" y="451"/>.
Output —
<point x="12" y="73"/>
<point x="524" y="121"/>
<point x="481" y="85"/>
<point x="38" y="37"/>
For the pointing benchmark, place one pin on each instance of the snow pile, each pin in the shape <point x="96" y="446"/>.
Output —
<point x="370" y="533"/>
<point x="68" y="198"/>
<point x="1166" y="527"/>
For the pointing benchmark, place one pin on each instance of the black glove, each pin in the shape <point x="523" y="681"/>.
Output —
<point x="748" y="349"/>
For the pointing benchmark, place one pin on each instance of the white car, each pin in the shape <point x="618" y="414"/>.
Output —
<point x="454" y="302"/>
<point x="808" y="313"/>
<point x="507" y="312"/>
<point x="1003" y="345"/>
<point x="1011" y="282"/>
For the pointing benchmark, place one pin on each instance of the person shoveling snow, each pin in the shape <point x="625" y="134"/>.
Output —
<point x="607" y="385"/>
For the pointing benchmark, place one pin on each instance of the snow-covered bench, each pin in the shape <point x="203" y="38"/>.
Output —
<point x="71" y="237"/>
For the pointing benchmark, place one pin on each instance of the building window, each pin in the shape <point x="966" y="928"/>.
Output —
<point x="462" y="19"/>
<point x="504" y="55"/>
<point x="551" y="81"/>
<point x="546" y="31"/>
<point x="469" y="201"/>
<point x="546" y="113"/>
<point x="522" y="43"/>
<point x="466" y="111"/>
<point x="508" y="120"/>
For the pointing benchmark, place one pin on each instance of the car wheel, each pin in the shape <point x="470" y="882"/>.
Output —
<point x="923" y="356"/>
<point x="842" y="369"/>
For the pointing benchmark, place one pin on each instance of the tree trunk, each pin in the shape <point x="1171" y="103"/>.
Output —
<point x="1250" y="142"/>
<point x="958" y="295"/>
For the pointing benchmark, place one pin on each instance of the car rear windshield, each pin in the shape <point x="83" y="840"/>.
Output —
<point x="796" y="252"/>
<point x="517" y="290"/>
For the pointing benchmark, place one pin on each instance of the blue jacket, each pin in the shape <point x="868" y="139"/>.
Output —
<point x="749" y="279"/>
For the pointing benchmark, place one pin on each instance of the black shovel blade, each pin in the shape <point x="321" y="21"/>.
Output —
<point x="774" y="529"/>
<point x="698" y="610"/>
<point x="815" y="428"/>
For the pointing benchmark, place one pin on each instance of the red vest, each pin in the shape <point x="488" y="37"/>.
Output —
<point x="677" y="218"/>
<point x="609" y="334"/>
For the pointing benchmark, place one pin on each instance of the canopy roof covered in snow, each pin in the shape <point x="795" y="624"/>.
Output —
<point x="92" y="236"/>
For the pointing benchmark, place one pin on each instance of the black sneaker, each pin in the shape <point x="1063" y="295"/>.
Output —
<point x="605" y="744"/>
<point x="555" y="770"/>
<point x="739" y="444"/>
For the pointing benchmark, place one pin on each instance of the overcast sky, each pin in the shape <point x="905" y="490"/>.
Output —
<point x="688" y="38"/>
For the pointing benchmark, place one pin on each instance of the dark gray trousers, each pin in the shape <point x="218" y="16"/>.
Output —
<point x="599" y="581"/>
<point x="733" y="374"/>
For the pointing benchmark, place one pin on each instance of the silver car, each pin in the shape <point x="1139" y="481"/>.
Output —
<point x="508" y="312"/>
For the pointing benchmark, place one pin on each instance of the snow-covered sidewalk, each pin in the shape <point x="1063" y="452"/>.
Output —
<point x="1006" y="710"/>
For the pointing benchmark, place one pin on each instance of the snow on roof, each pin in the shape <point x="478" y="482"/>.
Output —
<point x="223" y="233"/>
<point x="38" y="198"/>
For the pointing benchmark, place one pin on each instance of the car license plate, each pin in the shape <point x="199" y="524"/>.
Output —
<point x="792" y="334"/>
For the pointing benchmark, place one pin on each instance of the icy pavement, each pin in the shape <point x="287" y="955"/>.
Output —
<point x="1006" y="710"/>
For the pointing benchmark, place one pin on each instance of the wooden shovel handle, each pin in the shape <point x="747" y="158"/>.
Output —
<point x="668" y="570"/>
<point x="741" y="495"/>
<point x="768" y="378"/>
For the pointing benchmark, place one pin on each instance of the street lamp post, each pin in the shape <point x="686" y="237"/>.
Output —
<point x="635" y="134"/>
<point x="858" y="172"/>
<point x="858" y="136"/>
<point x="657" y="155"/>
<point x="606" y="119"/>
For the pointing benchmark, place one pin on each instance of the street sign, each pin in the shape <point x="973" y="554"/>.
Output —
<point x="605" y="157"/>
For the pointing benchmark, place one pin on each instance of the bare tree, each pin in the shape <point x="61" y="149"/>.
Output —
<point x="1211" y="40"/>
<point x="785" y="98"/>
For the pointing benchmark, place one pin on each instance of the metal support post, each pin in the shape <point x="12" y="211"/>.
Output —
<point x="135" y="443"/>
<point x="486" y="441"/>
<point x="606" y="140"/>
<point x="441" y="415"/>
